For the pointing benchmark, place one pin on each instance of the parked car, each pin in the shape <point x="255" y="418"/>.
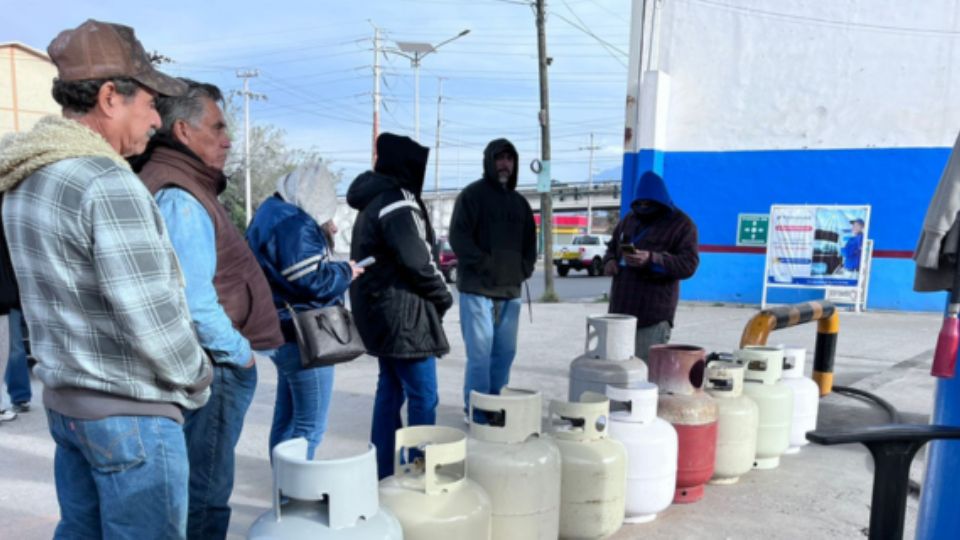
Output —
<point x="585" y="253"/>
<point x="448" y="260"/>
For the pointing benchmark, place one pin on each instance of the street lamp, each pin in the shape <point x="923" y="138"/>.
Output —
<point x="415" y="51"/>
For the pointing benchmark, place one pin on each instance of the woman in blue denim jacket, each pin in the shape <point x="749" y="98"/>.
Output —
<point x="292" y="236"/>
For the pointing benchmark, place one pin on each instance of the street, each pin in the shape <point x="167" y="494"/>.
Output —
<point x="576" y="287"/>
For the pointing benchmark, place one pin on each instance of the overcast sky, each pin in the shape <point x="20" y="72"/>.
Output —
<point x="316" y="69"/>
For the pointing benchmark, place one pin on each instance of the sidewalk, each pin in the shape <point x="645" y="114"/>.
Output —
<point x="824" y="492"/>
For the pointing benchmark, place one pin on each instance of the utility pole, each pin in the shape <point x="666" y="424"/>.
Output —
<point x="591" y="148"/>
<point x="436" y="164"/>
<point x="546" y="199"/>
<point x="246" y="76"/>
<point x="376" y="95"/>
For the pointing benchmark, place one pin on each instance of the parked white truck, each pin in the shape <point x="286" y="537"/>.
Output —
<point x="585" y="253"/>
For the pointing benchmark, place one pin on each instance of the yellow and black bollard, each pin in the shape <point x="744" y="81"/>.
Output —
<point x="759" y="327"/>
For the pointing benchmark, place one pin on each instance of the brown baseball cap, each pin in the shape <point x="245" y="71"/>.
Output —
<point x="102" y="50"/>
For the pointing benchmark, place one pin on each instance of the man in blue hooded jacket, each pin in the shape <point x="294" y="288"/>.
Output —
<point x="650" y="251"/>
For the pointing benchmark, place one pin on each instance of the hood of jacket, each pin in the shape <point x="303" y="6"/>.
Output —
<point x="403" y="159"/>
<point x="401" y="163"/>
<point x="52" y="139"/>
<point x="651" y="188"/>
<point x="367" y="186"/>
<point x="164" y="148"/>
<point x="495" y="147"/>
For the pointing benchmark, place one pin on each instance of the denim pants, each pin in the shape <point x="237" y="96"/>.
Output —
<point x="303" y="399"/>
<point x="489" y="327"/>
<point x="17" y="374"/>
<point x="122" y="477"/>
<point x="212" y="432"/>
<point x="648" y="336"/>
<point x="400" y="380"/>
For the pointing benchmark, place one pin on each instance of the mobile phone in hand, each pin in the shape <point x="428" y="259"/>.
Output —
<point x="366" y="262"/>
<point x="628" y="248"/>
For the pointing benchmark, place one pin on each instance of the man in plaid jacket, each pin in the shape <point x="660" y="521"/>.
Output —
<point x="102" y="292"/>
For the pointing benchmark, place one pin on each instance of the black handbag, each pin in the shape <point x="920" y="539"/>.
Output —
<point x="326" y="336"/>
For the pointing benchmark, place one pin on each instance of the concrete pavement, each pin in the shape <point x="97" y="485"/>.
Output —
<point x="824" y="492"/>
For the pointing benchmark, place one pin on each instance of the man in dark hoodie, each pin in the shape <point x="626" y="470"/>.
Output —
<point x="399" y="302"/>
<point x="651" y="250"/>
<point x="230" y="300"/>
<point x="494" y="236"/>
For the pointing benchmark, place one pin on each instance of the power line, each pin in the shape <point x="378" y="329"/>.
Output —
<point x="611" y="48"/>
<point x="824" y="21"/>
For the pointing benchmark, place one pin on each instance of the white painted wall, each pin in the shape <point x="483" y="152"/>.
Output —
<point x="777" y="74"/>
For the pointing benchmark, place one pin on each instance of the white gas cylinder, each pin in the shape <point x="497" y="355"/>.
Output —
<point x="651" y="444"/>
<point x="806" y="397"/>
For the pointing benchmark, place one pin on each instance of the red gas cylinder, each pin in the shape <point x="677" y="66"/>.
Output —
<point x="678" y="371"/>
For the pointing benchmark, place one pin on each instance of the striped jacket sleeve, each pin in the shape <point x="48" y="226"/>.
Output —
<point x="303" y="260"/>
<point x="404" y="230"/>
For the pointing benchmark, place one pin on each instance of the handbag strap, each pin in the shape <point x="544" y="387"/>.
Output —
<point x="296" y="323"/>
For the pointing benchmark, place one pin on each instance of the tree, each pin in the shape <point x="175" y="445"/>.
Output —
<point x="270" y="159"/>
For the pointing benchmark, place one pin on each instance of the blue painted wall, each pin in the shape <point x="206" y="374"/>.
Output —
<point x="713" y="187"/>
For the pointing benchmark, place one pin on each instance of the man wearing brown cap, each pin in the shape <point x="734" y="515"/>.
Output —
<point x="102" y="292"/>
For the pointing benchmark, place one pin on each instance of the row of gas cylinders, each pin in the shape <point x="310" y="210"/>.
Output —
<point x="724" y="417"/>
<point x="623" y="449"/>
<point x="507" y="480"/>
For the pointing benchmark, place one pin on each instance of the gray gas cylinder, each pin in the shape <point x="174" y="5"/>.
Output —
<point x="335" y="499"/>
<point x="608" y="356"/>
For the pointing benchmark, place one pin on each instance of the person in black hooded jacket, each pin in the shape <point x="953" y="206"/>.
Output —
<point x="399" y="301"/>
<point x="494" y="236"/>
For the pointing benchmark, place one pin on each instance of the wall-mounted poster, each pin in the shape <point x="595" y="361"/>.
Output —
<point x="816" y="246"/>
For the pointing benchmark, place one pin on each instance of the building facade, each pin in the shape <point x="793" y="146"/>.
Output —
<point x="744" y="104"/>
<point x="25" y="80"/>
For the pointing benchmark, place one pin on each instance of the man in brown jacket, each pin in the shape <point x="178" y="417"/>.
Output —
<point x="229" y="298"/>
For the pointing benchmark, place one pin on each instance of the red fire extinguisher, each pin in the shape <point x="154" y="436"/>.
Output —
<point x="945" y="357"/>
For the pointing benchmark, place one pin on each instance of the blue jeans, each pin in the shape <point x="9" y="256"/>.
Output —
<point x="489" y="327"/>
<point x="303" y="399"/>
<point x="400" y="380"/>
<point x="120" y="477"/>
<point x="212" y="432"/>
<point x="17" y="375"/>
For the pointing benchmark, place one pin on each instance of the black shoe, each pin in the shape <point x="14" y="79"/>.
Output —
<point x="21" y="407"/>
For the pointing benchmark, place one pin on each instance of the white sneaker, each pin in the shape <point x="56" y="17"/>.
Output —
<point x="7" y="415"/>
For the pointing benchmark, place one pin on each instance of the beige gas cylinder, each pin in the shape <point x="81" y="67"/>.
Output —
<point x="519" y="469"/>
<point x="607" y="357"/>
<point x="737" y="424"/>
<point x="806" y="397"/>
<point x="594" y="489"/>
<point x="764" y="366"/>
<point x="429" y="491"/>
